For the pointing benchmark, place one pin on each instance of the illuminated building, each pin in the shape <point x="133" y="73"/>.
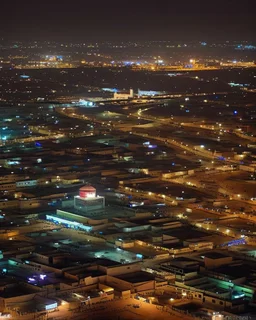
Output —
<point x="53" y="58"/>
<point x="80" y="212"/>
<point x="149" y="93"/>
<point x="113" y="90"/>
<point x="86" y="103"/>
<point x="124" y="95"/>
<point x="87" y="201"/>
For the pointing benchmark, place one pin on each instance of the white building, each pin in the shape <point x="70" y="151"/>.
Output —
<point x="26" y="184"/>
<point x="124" y="95"/>
<point x="149" y="93"/>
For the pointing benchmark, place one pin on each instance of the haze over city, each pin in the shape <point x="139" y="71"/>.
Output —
<point x="140" y="20"/>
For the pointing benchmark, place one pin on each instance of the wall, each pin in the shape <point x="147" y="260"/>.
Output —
<point x="123" y="244"/>
<point x="41" y="258"/>
<point x="145" y="286"/>
<point x="7" y="186"/>
<point x="34" y="266"/>
<point x="121" y="284"/>
<point x="123" y="269"/>
<point x="7" y="235"/>
<point x="26" y="183"/>
<point x="32" y="204"/>
<point x="247" y="168"/>
<point x="14" y="302"/>
<point x="9" y="204"/>
<point x="67" y="203"/>
<point x="174" y="174"/>
<point x="214" y="263"/>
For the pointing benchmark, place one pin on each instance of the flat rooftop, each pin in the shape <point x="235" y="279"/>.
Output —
<point x="15" y="292"/>
<point x="237" y="223"/>
<point x="136" y="277"/>
<point x="234" y="271"/>
<point x="108" y="212"/>
<point x="215" y="255"/>
<point x="186" y="233"/>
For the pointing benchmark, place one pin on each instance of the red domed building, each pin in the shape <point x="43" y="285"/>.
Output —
<point x="83" y="213"/>
<point x="87" y="192"/>
<point x="88" y="201"/>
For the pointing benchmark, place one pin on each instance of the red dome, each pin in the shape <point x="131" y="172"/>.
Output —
<point x="87" y="188"/>
<point x="87" y="192"/>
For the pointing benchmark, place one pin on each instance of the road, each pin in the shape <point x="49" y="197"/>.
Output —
<point x="112" y="310"/>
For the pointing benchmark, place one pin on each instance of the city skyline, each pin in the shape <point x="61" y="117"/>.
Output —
<point x="128" y="160"/>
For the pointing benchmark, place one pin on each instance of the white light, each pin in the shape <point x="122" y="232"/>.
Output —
<point x="51" y="306"/>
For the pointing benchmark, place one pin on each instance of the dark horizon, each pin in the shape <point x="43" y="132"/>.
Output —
<point x="165" y="20"/>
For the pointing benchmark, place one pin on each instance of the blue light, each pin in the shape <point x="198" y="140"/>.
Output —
<point x="110" y="90"/>
<point x="235" y="242"/>
<point x="235" y="112"/>
<point x="23" y="76"/>
<point x="128" y="63"/>
<point x="69" y="224"/>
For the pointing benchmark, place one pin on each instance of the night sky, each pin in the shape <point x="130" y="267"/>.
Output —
<point x="128" y="20"/>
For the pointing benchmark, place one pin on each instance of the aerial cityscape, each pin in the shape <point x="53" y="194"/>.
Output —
<point x="128" y="161"/>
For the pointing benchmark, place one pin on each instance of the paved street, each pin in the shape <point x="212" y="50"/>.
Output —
<point x="127" y="309"/>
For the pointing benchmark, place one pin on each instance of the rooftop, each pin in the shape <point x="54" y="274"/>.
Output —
<point x="136" y="277"/>
<point x="215" y="255"/>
